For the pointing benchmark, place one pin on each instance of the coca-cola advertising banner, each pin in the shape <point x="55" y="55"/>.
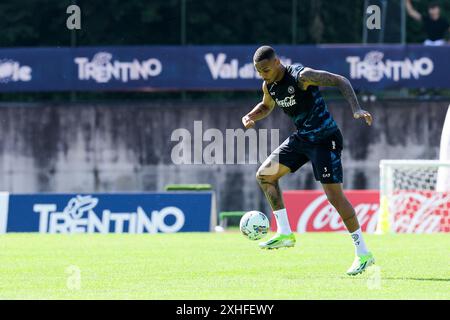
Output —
<point x="410" y="211"/>
<point x="310" y="211"/>
<point x="419" y="211"/>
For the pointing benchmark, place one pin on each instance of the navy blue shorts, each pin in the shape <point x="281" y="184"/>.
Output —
<point x="325" y="156"/>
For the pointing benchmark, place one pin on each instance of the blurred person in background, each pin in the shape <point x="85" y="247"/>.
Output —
<point x="434" y="25"/>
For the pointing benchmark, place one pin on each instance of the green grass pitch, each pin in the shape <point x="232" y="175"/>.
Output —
<point x="220" y="266"/>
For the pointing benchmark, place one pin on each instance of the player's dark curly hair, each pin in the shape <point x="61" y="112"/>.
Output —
<point x="433" y="4"/>
<point x="264" y="52"/>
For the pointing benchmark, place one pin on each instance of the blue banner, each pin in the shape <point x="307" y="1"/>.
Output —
<point x="109" y="213"/>
<point x="149" y="68"/>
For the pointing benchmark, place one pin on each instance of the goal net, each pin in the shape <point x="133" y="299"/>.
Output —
<point x="414" y="196"/>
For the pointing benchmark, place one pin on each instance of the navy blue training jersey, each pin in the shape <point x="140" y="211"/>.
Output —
<point x="306" y="108"/>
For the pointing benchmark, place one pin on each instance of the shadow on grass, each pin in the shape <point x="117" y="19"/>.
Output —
<point x="418" y="279"/>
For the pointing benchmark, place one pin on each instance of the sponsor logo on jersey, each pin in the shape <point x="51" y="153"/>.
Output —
<point x="286" y="102"/>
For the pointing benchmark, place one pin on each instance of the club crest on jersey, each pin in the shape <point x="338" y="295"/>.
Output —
<point x="286" y="102"/>
<point x="291" y="89"/>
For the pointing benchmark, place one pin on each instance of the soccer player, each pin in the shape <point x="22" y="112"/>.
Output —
<point x="294" y="88"/>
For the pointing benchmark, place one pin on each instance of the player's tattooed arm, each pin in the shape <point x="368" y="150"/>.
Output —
<point x="313" y="77"/>
<point x="260" y="111"/>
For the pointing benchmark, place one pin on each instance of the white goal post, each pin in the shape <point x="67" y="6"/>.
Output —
<point x="414" y="196"/>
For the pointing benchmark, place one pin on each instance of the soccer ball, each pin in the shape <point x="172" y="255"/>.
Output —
<point x="254" y="225"/>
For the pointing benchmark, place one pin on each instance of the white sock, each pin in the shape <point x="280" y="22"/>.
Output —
<point x="283" y="226"/>
<point x="358" y="241"/>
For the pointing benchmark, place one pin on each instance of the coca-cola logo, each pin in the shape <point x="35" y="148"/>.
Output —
<point x="320" y="215"/>
<point x="410" y="211"/>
